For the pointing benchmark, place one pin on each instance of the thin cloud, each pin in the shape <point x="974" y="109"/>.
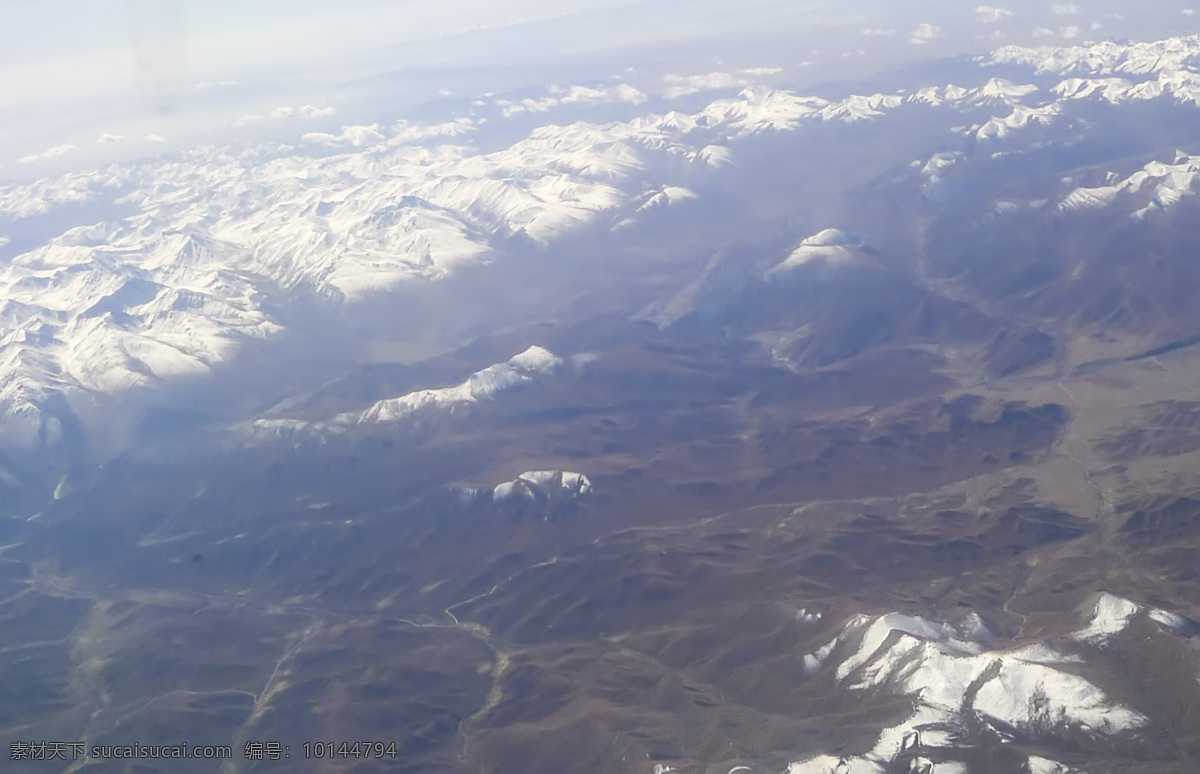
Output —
<point x="990" y="14"/>
<point x="49" y="153"/>
<point x="924" y="33"/>
<point x="682" y="85"/>
<point x="1070" y="9"/>
<point x="582" y="95"/>
<point x="528" y="105"/>
<point x="285" y="112"/>
<point x="1067" y="33"/>
<point x="308" y="111"/>
<point x="357" y="136"/>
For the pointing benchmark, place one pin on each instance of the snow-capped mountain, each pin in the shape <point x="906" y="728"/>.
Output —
<point x="551" y="482"/>
<point x="962" y="676"/>
<point x="1139" y="58"/>
<point x="829" y="248"/>
<point x="1157" y="186"/>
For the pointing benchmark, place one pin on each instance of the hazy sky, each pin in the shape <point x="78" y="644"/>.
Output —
<point x="74" y="70"/>
<point x="61" y="48"/>
<point x="50" y="49"/>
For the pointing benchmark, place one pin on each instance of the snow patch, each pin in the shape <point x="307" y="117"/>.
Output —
<point x="1039" y="765"/>
<point x="1110" y="616"/>
<point x="481" y="385"/>
<point x="1173" y="622"/>
<point x="522" y="368"/>
<point x="1026" y="694"/>
<point x="831" y="247"/>
<point x="1168" y="184"/>
<point x="950" y="669"/>
<point x="528" y="484"/>
<point x="1020" y="118"/>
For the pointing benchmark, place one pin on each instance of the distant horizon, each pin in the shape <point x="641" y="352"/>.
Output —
<point x="173" y="67"/>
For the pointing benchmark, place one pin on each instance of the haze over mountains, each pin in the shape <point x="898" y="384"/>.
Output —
<point x="213" y="248"/>
<point x="727" y="428"/>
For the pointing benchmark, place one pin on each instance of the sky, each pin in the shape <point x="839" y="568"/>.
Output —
<point x="53" y="49"/>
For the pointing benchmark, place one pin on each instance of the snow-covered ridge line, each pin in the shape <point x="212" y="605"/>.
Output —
<point x="551" y="482"/>
<point x="1104" y="57"/>
<point x="481" y="385"/>
<point x="1115" y="72"/>
<point x="522" y="368"/>
<point x="1164" y="184"/>
<point x="952" y="670"/>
